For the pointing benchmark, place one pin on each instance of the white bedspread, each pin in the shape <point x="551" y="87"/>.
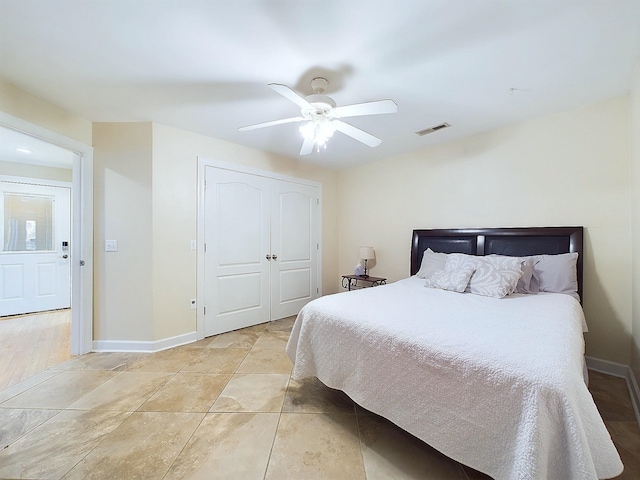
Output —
<point x="496" y="384"/>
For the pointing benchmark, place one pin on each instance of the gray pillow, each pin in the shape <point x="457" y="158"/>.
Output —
<point x="557" y="273"/>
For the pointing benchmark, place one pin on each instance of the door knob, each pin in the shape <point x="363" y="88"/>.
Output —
<point x="275" y="257"/>
<point x="65" y="256"/>
<point x="268" y="257"/>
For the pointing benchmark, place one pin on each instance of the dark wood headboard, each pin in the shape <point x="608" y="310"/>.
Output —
<point x="516" y="242"/>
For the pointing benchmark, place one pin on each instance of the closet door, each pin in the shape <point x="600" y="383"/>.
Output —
<point x="237" y="230"/>
<point x="294" y="247"/>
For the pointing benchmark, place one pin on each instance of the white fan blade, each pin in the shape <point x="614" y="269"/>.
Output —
<point x="368" y="108"/>
<point x="269" y="124"/>
<point x="291" y="95"/>
<point x="307" y="147"/>
<point x="356" y="133"/>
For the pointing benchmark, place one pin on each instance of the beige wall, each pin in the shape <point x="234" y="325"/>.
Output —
<point x="145" y="194"/>
<point x="635" y="159"/>
<point x="567" y="169"/>
<point x="17" y="169"/>
<point x="123" y="198"/>
<point x="175" y="155"/>
<point x="28" y="107"/>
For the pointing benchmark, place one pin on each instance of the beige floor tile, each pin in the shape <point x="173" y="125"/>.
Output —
<point x="266" y="361"/>
<point x="228" y="446"/>
<point x="25" y="385"/>
<point x="169" y="361"/>
<point x="391" y="453"/>
<point x="310" y="395"/>
<point x="60" y="391"/>
<point x="115" y="361"/>
<point x="143" y="446"/>
<point x="253" y="393"/>
<point x="187" y="392"/>
<point x="316" y="446"/>
<point x="51" y="449"/>
<point x="199" y="344"/>
<point x="272" y="340"/>
<point x="125" y="392"/>
<point x="282" y="325"/>
<point x="244" y="338"/>
<point x="216" y="360"/>
<point x="15" y="422"/>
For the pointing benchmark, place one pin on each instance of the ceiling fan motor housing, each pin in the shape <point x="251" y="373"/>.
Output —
<point x="322" y="104"/>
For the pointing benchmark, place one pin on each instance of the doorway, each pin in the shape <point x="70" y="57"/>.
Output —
<point x="35" y="230"/>
<point x="79" y="249"/>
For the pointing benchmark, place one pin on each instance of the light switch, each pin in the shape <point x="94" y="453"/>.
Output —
<point x="110" y="245"/>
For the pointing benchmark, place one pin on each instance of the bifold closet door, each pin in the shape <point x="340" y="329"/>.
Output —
<point x="294" y="239"/>
<point x="261" y="240"/>
<point x="237" y="229"/>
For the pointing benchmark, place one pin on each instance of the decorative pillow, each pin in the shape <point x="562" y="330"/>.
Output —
<point x="528" y="282"/>
<point x="557" y="273"/>
<point x="494" y="276"/>
<point x="431" y="262"/>
<point x="452" y="279"/>
<point x="493" y="280"/>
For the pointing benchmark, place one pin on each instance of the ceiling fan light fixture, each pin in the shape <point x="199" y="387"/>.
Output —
<point x="319" y="130"/>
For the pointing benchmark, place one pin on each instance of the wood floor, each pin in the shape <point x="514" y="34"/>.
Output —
<point x="30" y="344"/>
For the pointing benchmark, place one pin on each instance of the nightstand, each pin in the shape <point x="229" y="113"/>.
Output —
<point x="354" y="282"/>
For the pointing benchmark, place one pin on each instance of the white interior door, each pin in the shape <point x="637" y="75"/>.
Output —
<point x="236" y="235"/>
<point x="294" y="247"/>
<point x="35" y="267"/>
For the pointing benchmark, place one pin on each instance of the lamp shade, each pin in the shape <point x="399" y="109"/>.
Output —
<point x="367" y="253"/>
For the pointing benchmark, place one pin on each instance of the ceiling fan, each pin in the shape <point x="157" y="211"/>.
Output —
<point x="322" y="117"/>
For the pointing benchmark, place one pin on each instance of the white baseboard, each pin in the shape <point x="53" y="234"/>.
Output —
<point x="143" y="346"/>
<point x="622" y="371"/>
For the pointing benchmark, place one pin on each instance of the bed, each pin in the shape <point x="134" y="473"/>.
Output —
<point x="497" y="384"/>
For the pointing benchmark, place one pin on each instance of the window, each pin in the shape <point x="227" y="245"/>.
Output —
<point x="28" y="223"/>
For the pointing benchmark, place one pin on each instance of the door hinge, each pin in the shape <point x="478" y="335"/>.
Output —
<point x="317" y="201"/>
<point x="205" y="247"/>
<point x="317" y="246"/>
<point x="204" y="310"/>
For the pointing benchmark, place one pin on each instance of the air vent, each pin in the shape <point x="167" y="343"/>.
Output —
<point x="427" y="131"/>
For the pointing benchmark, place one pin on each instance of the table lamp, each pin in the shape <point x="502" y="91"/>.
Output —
<point x="366" y="253"/>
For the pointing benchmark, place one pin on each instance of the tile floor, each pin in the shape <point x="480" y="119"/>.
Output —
<point x="224" y="408"/>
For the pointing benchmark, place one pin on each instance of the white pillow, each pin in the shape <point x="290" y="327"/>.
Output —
<point x="452" y="279"/>
<point x="431" y="262"/>
<point x="557" y="273"/>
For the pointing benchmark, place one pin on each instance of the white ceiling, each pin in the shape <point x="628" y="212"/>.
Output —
<point x="204" y="65"/>
<point x="18" y="147"/>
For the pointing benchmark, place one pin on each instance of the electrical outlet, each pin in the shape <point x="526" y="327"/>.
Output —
<point x="194" y="245"/>
<point x="193" y="304"/>
<point x="110" y="245"/>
